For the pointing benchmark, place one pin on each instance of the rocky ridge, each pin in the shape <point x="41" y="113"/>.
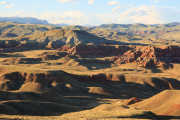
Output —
<point x="150" y="56"/>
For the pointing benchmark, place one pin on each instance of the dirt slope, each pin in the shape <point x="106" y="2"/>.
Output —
<point x="164" y="103"/>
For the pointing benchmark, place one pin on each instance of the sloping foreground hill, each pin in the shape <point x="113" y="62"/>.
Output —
<point x="165" y="103"/>
<point x="163" y="106"/>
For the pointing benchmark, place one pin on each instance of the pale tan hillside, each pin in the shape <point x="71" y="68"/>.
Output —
<point x="165" y="103"/>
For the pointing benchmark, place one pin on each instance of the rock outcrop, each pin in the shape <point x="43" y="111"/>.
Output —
<point x="146" y="56"/>
<point x="150" y="56"/>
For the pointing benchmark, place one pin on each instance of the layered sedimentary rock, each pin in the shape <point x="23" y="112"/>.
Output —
<point x="146" y="56"/>
<point x="150" y="56"/>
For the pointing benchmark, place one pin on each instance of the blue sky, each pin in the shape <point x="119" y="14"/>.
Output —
<point x="94" y="12"/>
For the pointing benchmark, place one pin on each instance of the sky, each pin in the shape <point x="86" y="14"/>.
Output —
<point x="94" y="12"/>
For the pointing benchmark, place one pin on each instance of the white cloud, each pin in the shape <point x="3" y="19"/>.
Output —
<point x="9" y="6"/>
<point x="6" y="4"/>
<point x="67" y="17"/>
<point x="113" y="2"/>
<point x="115" y="9"/>
<point x="142" y="14"/>
<point x="90" y="2"/>
<point x="3" y="2"/>
<point x="65" y="1"/>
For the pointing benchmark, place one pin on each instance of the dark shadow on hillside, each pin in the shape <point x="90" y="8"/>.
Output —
<point x="42" y="104"/>
<point x="22" y="61"/>
<point x="3" y="55"/>
<point x="168" y="66"/>
<point x="156" y="69"/>
<point x="165" y="83"/>
<point x="9" y="119"/>
<point x="30" y="61"/>
<point x="95" y="64"/>
<point x="122" y="89"/>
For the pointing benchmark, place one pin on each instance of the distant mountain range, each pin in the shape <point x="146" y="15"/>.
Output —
<point x="117" y="26"/>
<point x="23" y="20"/>
<point x="33" y="20"/>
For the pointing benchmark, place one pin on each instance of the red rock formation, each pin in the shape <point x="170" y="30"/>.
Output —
<point x="149" y="56"/>
<point x="146" y="56"/>
<point x="132" y="100"/>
